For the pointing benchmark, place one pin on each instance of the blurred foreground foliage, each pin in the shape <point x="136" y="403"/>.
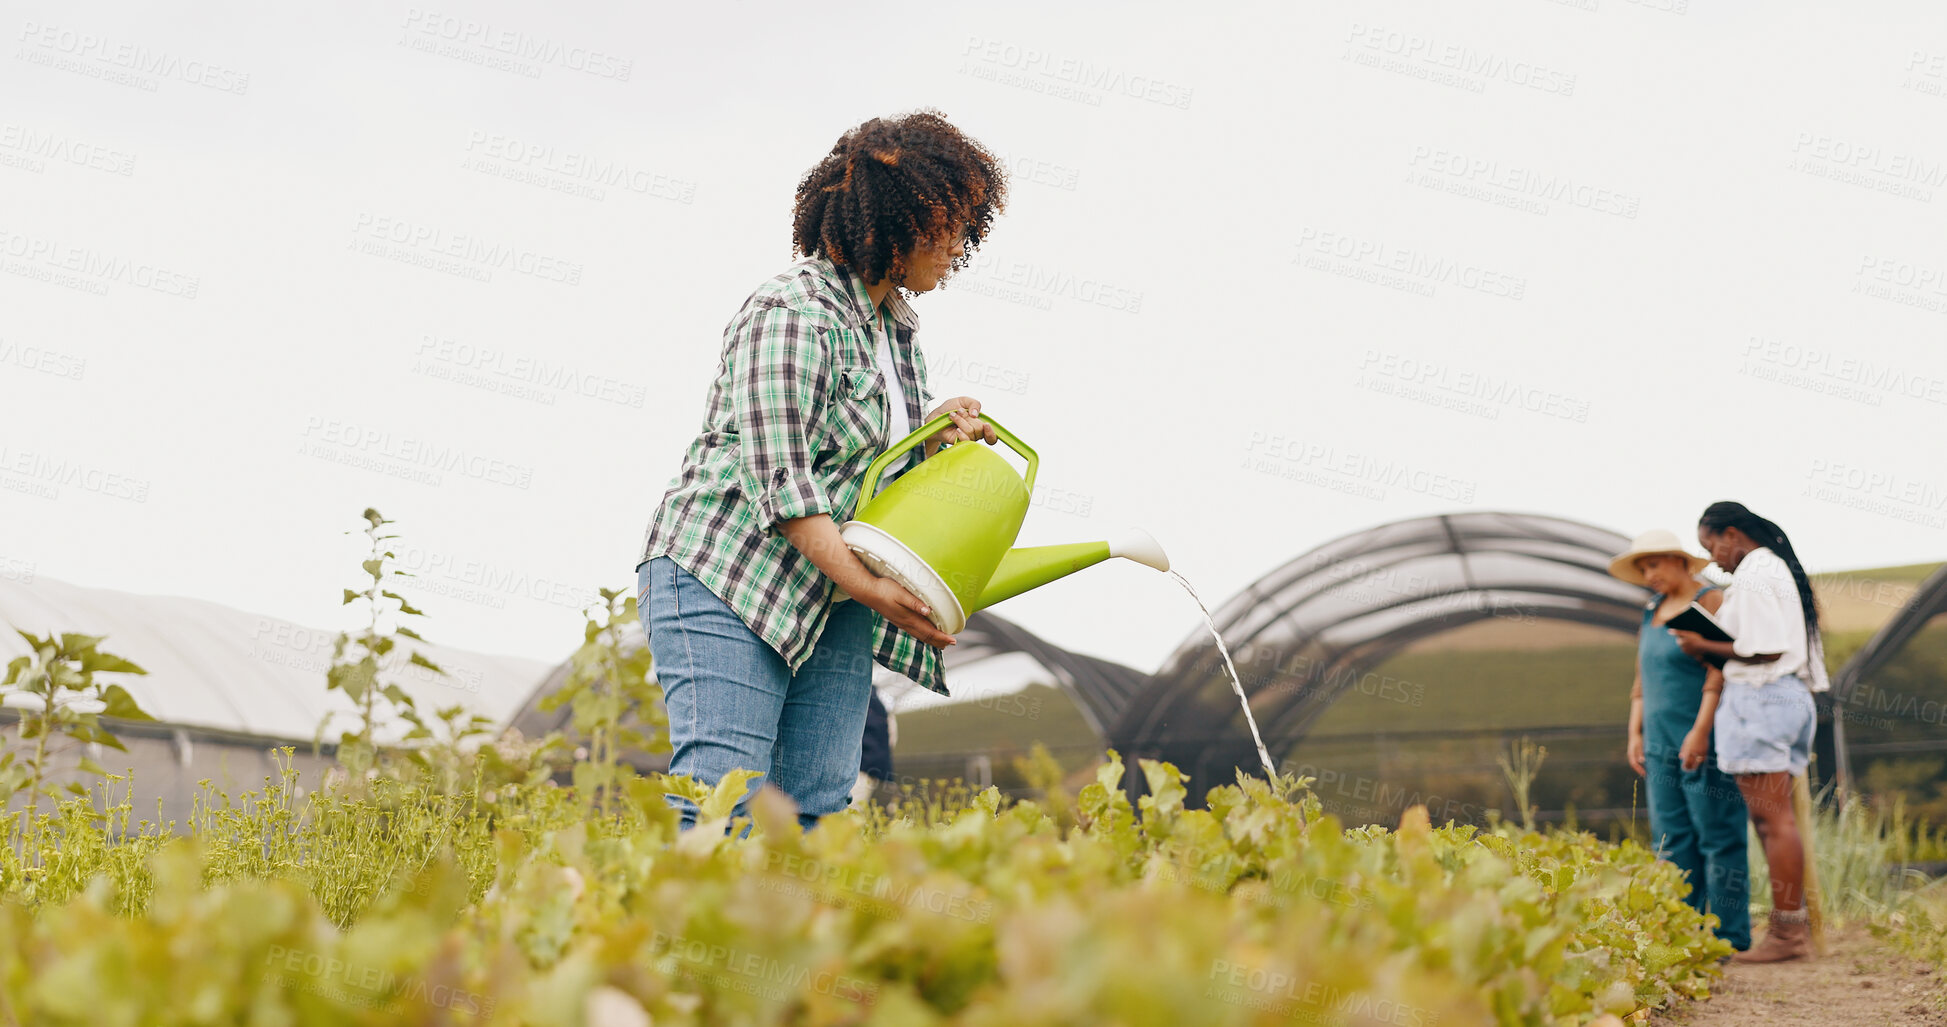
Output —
<point x="399" y="903"/>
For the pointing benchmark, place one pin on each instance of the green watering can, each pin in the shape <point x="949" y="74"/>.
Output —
<point x="945" y="530"/>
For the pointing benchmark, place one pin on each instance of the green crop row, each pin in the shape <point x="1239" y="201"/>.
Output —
<point x="400" y="905"/>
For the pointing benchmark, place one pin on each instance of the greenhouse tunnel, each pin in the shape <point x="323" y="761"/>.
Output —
<point x="1891" y="704"/>
<point x="1325" y="648"/>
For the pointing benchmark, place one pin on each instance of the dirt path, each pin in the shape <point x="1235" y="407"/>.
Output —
<point x="1859" y="982"/>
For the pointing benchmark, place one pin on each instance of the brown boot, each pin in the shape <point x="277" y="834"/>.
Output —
<point x="1788" y="936"/>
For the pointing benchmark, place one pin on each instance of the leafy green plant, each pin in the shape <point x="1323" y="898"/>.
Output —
<point x="1521" y="764"/>
<point x="1914" y="840"/>
<point x="617" y="709"/>
<point x="1918" y="923"/>
<point x="439" y="748"/>
<point x="341" y="907"/>
<point x="60" y="705"/>
<point x="359" y="659"/>
<point x="513" y="761"/>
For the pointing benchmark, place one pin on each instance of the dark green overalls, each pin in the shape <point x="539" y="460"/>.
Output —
<point x="1697" y="817"/>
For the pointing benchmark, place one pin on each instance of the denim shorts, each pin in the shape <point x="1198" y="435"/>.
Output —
<point x="1764" y="729"/>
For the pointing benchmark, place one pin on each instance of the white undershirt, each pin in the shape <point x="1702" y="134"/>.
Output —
<point x="898" y="425"/>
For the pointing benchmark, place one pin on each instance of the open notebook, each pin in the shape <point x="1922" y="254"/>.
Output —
<point x="1699" y="620"/>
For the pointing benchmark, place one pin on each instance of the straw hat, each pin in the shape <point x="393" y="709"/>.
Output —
<point x="1658" y="541"/>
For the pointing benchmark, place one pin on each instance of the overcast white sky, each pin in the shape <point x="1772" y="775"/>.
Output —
<point x="1270" y="274"/>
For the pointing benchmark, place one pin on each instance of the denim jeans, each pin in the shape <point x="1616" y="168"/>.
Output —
<point x="734" y="703"/>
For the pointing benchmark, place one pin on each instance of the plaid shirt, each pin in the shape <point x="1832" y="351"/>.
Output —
<point x="797" y="411"/>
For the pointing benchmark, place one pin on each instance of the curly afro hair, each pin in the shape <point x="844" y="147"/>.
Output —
<point x="890" y="183"/>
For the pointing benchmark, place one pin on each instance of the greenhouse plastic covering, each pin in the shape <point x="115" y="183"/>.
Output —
<point x="213" y="666"/>
<point x="1301" y="633"/>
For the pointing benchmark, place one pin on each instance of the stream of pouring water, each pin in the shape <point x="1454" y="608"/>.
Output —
<point x="1270" y="772"/>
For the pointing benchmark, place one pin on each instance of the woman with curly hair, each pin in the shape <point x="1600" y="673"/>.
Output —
<point x="1766" y="719"/>
<point x="743" y="581"/>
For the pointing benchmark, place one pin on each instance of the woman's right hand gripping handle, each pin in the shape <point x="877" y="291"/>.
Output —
<point x="818" y="539"/>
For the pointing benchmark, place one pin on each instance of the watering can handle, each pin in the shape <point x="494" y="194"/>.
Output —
<point x="920" y="434"/>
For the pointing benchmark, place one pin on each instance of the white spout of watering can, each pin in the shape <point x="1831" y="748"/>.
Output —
<point x="1138" y="545"/>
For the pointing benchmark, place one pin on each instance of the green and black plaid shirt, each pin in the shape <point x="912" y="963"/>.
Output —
<point x="797" y="411"/>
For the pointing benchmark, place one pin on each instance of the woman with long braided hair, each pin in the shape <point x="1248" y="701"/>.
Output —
<point x="743" y="581"/>
<point x="1766" y="718"/>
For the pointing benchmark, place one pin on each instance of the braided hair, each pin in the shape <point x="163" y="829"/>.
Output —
<point x="890" y="183"/>
<point x="1718" y="516"/>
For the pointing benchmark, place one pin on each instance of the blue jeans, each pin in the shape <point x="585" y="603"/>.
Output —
<point x="734" y="703"/>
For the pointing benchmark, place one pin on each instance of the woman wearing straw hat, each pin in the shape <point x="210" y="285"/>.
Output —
<point x="1774" y="662"/>
<point x="1697" y="817"/>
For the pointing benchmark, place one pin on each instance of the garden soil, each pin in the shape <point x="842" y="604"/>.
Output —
<point x="1859" y="982"/>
